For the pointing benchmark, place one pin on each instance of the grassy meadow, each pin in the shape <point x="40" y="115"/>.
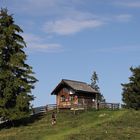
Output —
<point x="87" y="125"/>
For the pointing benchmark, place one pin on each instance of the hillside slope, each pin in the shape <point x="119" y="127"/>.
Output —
<point x="88" y="125"/>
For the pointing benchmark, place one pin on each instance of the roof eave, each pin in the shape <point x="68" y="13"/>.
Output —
<point x="87" y="92"/>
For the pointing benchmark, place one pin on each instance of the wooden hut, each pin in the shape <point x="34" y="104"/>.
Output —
<point x="70" y="93"/>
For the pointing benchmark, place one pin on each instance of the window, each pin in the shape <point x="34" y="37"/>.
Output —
<point x="71" y="98"/>
<point x="63" y="98"/>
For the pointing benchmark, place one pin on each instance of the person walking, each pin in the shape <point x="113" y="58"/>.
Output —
<point x="53" y="118"/>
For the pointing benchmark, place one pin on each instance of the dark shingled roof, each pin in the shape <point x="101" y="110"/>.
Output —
<point x="77" y="86"/>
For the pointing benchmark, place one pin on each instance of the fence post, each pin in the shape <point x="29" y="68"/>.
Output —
<point x="57" y="108"/>
<point x="96" y="102"/>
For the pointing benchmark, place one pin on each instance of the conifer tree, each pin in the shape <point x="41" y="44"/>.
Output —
<point x="131" y="90"/>
<point x="16" y="77"/>
<point x="94" y="80"/>
<point x="94" y="85"/>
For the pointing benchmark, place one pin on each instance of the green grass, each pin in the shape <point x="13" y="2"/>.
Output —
<point x="88" y="125"/>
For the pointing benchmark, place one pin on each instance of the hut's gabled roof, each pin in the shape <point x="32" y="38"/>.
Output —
<point x="77" y="86"/>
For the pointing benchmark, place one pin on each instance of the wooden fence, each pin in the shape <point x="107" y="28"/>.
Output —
<point x="49" y="107"/>
<point x="112" y="106"/>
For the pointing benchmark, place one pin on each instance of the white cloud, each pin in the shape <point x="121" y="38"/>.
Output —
<point x="70" y="26"/>
<point x="37" y="44"/>
<point x="120" y="49"/>
<point x="31" y="38"/>
<point x="62" y="17"/>
<point x="123" y="17"/>
<point x="78" y="21"/>
<point x="44" y="7"/>
<point x="72" y="22"/>
<point x="45" y="47"/>
<point x="131" y="4"/>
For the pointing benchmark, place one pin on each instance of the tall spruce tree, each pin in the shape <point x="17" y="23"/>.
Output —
<point x="131" y="90"/>
<point x="94" y="81"/>
<point x="16" y="77"/>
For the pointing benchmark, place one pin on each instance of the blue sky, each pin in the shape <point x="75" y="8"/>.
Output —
<point x="69" y="39"/>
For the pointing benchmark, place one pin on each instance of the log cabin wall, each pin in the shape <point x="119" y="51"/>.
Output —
<point x="66" y="99"/>
<point x="63" y="98"/>
<point x="87" y="101"/>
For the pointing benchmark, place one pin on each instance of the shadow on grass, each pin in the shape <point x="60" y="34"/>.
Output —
<point x="21" y="122"/>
